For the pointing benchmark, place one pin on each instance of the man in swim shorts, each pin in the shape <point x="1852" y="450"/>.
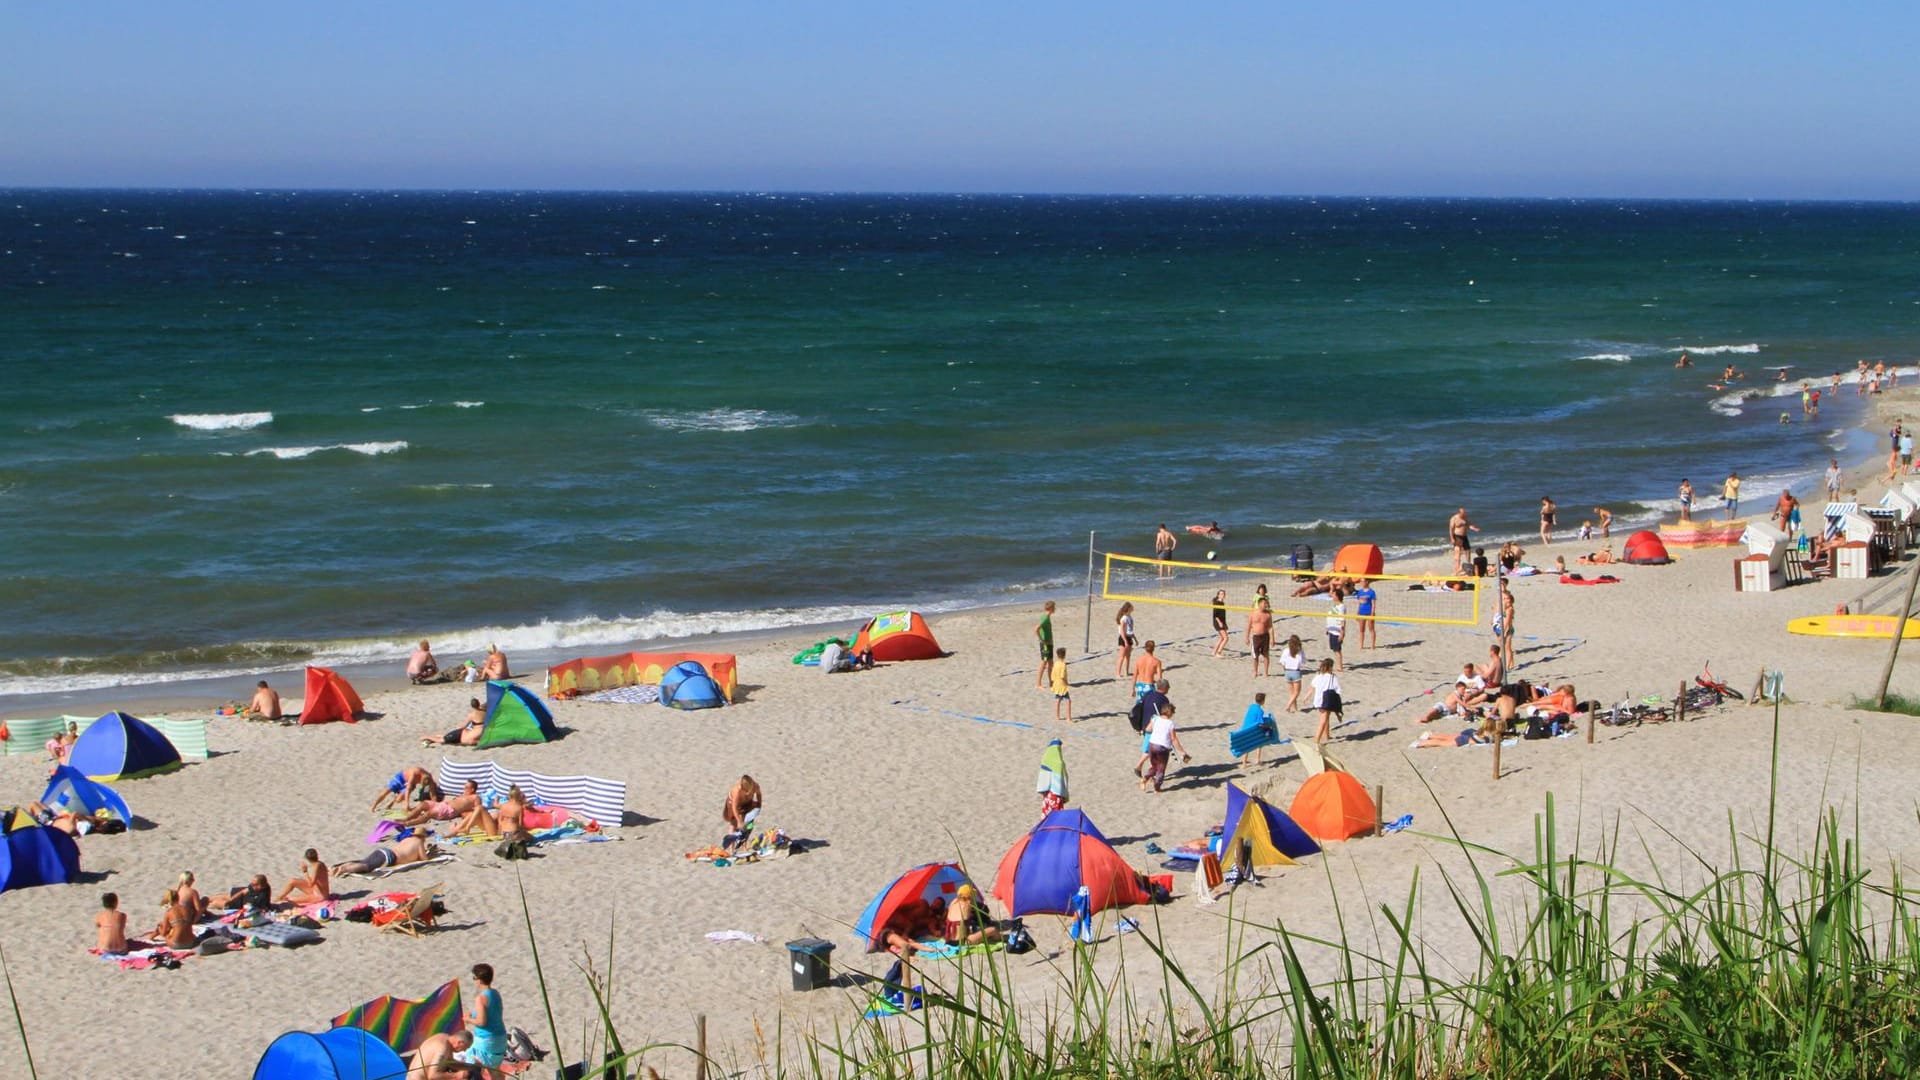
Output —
<point x="437" y="1058"/>
<point x="1260" y="635"/>
<point x="1686" y="500"/>
<point x="411" y="850"/>
<point x="408" y="786"/>
<point x="1457" y="529"/>
<point x="1147" y="669"/>
<point x="1730" y="490"/>
<point x="1163" y="544"/>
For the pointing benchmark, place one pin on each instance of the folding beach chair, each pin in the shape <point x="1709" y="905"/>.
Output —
<point x="417" y="917"/>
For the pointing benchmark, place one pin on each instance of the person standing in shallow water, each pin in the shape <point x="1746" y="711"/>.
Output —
<point x="1547" y="511"/>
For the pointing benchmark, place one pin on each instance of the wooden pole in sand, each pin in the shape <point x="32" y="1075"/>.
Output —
<point x="700" y="1047"/>
<point x="1683" y="701"/>
<point x="1379" y="808"/>
<point x="1499" y="736"/>
<point x="1592" y="718"/>
<point x="1086" y="646"/>
<point x="1899" y="631"/>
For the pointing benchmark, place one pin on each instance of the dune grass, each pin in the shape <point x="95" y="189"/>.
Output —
<point x="1896" y="703"/>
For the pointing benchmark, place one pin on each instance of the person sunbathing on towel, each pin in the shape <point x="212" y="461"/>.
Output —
<point x="509" y="821"/>
<point x="967" y="923"/>
<point x="494" y="666"/>
<point x="69" y="823"/>
<point x="409" y="785"/>
<point x="176" y="923"/>
<point x="1469" y="690"/>
<point x="1598" y="558"/>
<point x="468" y="733"/>
<point x="1315" y="587"/>
<point x="434" y="1060"/>
<point x="411" y="850"/>
<point x="112" y="925"/>
<point x="312" y="885"/>
<point x="257" y="893"/>
<point x="444" y="810"/>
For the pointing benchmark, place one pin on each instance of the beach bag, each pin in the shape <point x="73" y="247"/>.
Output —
<point x="1539" y="727"/>
<point x="1019" y="940"/>
<point x="512" y="849"/>
<point x="1137" y="716"/>
<point x="1330" y="701"/>
<point x="521" y="1048"/>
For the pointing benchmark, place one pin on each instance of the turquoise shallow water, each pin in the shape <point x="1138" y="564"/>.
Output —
<point x="246" y="429"/>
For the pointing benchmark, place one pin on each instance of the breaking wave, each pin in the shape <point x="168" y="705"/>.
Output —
<point x="239" y="421"/>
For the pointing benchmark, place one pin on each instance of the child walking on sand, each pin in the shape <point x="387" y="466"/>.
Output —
<point x="1326" y="698"/>
<point x="1062" y="694"/>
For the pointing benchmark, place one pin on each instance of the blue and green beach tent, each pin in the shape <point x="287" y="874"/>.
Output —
<point x="69" y="791"/>
<point x="688" y="686"/>
<point x="515" y="715"/>
<point x="122" y="747"/>
<point x="37" y="856"/>
<point x="345" y="1053"/>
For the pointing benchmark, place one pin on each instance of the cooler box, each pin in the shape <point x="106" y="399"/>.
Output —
<point x="1850" y="560"/>
<point x="810" y="959"/>
<point x="1302" y="557"/>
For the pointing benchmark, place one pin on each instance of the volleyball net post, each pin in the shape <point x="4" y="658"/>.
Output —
<point x="1419" y="599"/>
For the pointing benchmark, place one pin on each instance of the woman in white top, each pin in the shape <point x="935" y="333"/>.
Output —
<point x="1326" y="698"/>
<point x="1124" y="621"/>
<point x="1291" y="659"/>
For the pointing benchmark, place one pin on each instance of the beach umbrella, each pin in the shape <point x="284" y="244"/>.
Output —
<point x="923" y="884"/>
<point x="1043" y="869"/>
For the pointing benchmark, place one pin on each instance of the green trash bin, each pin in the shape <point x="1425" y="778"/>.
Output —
<point x="811" y="960"/>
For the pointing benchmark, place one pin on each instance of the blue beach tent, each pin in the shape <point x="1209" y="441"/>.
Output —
<point x="122" y="747"/>
<point x="37" y="856"/>
<point x="71" y="792"/>
<point x="688" y="686"/>
<point x="345" y="1053"/>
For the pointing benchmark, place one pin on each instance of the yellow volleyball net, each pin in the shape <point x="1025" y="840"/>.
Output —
<point x="1434" y="599"/>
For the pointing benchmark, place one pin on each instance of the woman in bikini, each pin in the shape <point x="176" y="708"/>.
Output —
<point x="1125" y="641"/>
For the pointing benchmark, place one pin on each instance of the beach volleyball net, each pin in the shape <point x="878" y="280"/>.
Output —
<point x="1432" y="599"/>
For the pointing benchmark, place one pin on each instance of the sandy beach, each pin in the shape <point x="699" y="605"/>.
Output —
<point x="914" y="762"/>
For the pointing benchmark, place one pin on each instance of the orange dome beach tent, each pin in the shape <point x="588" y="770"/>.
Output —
<point x="1359" y="560"/>
<point x="898" y="635"/>
<point x="329" y="697"/>
<point x="1333" y="806"/>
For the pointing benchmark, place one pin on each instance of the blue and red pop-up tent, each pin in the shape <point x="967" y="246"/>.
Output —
<point x="927" y="884"/>
<point x="1043" y="870"/>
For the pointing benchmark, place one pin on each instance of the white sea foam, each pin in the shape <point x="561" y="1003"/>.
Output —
<point x="468" y="404"/>
<point x="721" y="420"/>
<point x="1715" y="350"/>
<point x="1616" y="357"/>
<point x="570" y="636"/>
<point x="1316" y="525"/>
<point x="239" y="421"/>
<point x="452" y="487"/>
<point x="371" y="449"/>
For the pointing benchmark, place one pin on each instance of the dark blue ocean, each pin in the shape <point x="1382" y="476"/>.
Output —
<point x="243" y="429"/>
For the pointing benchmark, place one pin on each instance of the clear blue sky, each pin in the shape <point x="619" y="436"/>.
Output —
<point x="1282" y="97"/>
